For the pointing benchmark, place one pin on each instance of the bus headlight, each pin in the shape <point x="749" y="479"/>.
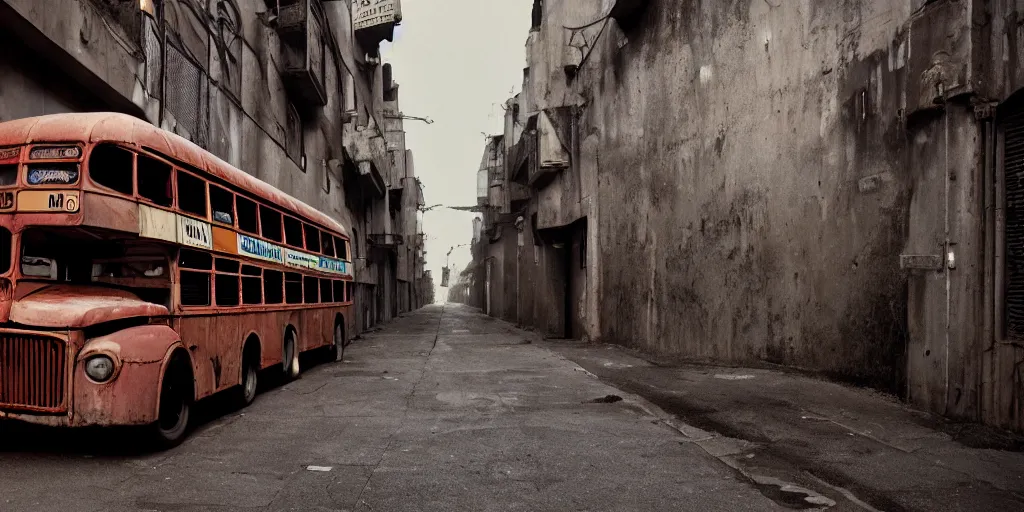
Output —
<point x="99" y="368"/>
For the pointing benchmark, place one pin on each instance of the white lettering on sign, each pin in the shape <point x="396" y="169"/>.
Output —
<point x="194" y="232"/>
<point x="370" y="13"/>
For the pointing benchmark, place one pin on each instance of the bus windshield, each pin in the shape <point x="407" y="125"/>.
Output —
<point x="92" y="257"/>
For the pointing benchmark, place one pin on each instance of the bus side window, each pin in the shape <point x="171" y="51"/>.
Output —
<point x="154" y="179"/>
<point x="293" y="232"/>
<point x="112" y="166"/>
<point x="195" y="286"/>
<point x="328" y="244"/>
<point x="339" y="290"/>
<point x="293" y="288"/>
<point x="326" y="291"/>
<point x="273" y="284"/>
<point x="222" y="203"/>
<point x="252" y="285"/>
<point x="341" y="248"/>
<point x="312" y="238"/>
<point x="349" y="292"/>
<point x="225" y="284"/>
<point x="191" y="194"/>
<point x="247" y="215"/>
<point x="270" y="224"/>
<point x="312" y="289"/>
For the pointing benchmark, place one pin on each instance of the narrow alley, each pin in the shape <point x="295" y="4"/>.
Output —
<point x="448" y="409"/>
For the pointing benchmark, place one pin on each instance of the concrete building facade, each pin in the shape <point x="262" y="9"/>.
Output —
<point x="831" y="186"/>
<point x="291" y="91"/>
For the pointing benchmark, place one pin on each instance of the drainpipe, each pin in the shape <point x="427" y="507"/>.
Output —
<point x="989" y="252"/>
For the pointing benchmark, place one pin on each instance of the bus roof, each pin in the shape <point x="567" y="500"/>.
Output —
<point x="114" y="127"/>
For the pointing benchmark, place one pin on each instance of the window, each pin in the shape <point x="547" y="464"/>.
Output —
<point x="341" y="248"/>
<point x="339" y="290"/>
<point x="350" y="292"/>
<point x="191" y="194"/>
<point x="312" y="238"/>
<point x="111" y="167"/>
<point x="312" y="289"/>
<point x="326" y="291"/>
<point x="328" y="244"/>
<point x="273" y="283"/>
<point x="5" y="250"/>
<point x="355" y="244"/>
<point x="154" y="179"/>
<point x="8" y="175"/>
<point x="222" y="203"/>
<point x="226" y="286"/>
<point x="195" y="286"/>
<point x="293" y="137"/>
<point x="230" y="266"/>
<point x="293" y="232"/>
<point x="293" y="288"/>
<point x="270" y="224"/>
<point x="252" y="285"/>
<point x="247" y="215"/>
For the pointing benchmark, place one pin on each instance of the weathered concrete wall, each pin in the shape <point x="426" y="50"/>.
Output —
<point x="732" y="137"/>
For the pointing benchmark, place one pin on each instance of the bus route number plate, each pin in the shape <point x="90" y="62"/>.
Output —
<point x="48" y="201"/>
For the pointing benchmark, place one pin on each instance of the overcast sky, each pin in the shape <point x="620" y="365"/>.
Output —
<point x="456" y="62"/>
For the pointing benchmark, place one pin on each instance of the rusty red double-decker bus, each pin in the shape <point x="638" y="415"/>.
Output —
<point x="140" y="273"/>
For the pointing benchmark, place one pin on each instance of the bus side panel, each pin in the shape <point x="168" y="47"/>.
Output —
<point x="315" y="329"/>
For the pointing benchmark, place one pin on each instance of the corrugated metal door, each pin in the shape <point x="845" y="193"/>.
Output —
<point x="1013" y="129"/>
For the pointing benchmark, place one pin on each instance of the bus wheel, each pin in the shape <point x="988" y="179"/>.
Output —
<point x="338" y="348"/>
<point x="175" y="406"/>
<point x="246" y="392"/>
<point x="290" y="359"/>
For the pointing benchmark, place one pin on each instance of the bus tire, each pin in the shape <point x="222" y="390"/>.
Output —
<point x="290" y="358"/>
<point x="176" y="396"/>
<point x="245" y="394"/>
<point x="338" y="347"/>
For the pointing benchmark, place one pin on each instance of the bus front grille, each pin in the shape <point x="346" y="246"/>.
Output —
<point x="33" y="373"/>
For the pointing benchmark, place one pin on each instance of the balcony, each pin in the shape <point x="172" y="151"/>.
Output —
<point x="300" y="25"/>
<point x="366" y="152"/>
<point x="545" y="148"/>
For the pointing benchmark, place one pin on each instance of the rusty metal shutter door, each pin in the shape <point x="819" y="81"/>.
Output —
<point x="1013" y="157"/>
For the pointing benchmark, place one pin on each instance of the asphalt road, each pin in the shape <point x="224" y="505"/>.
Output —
<point x="443" y="409"/>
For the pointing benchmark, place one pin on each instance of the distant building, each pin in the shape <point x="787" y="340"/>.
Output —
<point x="285" y="90"/>
<point x="834" y="187"/>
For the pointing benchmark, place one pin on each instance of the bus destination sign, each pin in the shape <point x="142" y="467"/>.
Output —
<point x="256" y="248"/>
<point x="48" y="201"/>
<point x="55" y="153"/>
<point x="9" y="153"/>
<point x="194" y="232"/>
<point x="52" y="176"/>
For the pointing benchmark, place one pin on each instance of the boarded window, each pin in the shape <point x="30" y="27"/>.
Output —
<point x="191" y="194"/>
<point x="227" y="289"/>
<point x="111" y="166"/>
<point x="326" y="291"/>
<point x="155" y="181"/>
<point x="312" y="238"/>
<point x="293" y="232"/>
<point x="222" y="203"/>
<point x="252" y="285"/>
<point x="247" y="217"/>
<point x="312" y="289"/>
<point x="270" y="224"/>
<point x="339" y="290"/>
<point x="273" y="284"/>
<point x="293" y="288"/>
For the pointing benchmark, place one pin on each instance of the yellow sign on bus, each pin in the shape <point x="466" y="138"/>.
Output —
<point x="48" y="201"/>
